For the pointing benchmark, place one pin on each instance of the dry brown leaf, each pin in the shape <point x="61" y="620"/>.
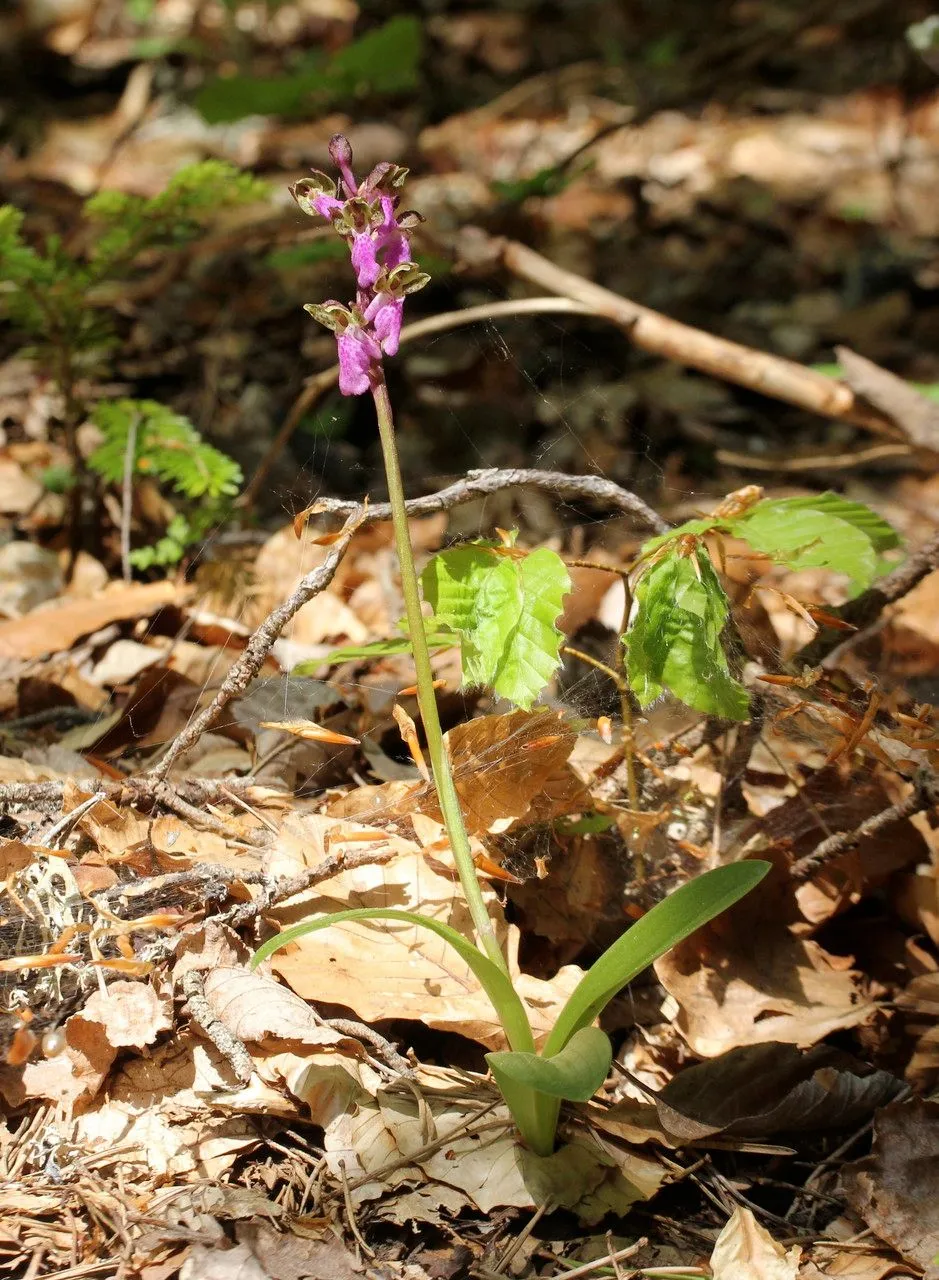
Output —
<point x="854" y="1265"/>
<point x="57" y="628"/>
<point x="256" y="1008"/>
<point x="746" y="1251"/>
<point x="743" y="980"/>
<point x="384" y="968"/>
<point x="896" y="1188"/>
<point x="762" y="1089"/>
<point x="78" y="1071"/>
<point x="505" y="767"/>
<point x="131" y="1013"/>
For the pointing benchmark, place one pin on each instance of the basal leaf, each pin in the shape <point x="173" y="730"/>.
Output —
<point x="674" y="641"/>
<point x="504" y="609"/>
<point x="671" y="920"/>
<point x="575" y="1073"/>
<point x="494" y="982"/>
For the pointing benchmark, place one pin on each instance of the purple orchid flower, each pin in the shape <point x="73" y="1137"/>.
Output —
<point x="366" y="215"/>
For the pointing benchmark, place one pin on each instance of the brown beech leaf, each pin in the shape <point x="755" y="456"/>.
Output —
<point x="57" y="628"/>
<point x="896" y="1188"/>
<point x="389" y="969"/>
<point x="254" y="1008"/>
<point x="746" y="1251"/>
<point x="502" y="765"/>
<point x="757" y="1090"/>
<point x="741" y="981"/>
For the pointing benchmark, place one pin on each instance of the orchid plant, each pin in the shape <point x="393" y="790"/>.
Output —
<point x="575" y="1058"/>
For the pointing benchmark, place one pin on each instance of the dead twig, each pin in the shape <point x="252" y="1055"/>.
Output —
<point x="757" y="370"/>
<point x="48" y="795"/>
<point x="924" y="795"/>
<point x="225" y="1040"/>
<point x="596" y="490"/>
<point x="258" y="647"/>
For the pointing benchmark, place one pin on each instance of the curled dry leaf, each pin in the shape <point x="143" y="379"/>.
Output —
<point x="490" y="1168"/>
<point x="124" y="1015"/>
<point x="256" y="1008"/>
<point x="896" y="1188"/>
<point x="758" y="1090"/>
<point x="746" y="1251"/>
<point x="506" y="768"/>
<point x="310" y="731"/>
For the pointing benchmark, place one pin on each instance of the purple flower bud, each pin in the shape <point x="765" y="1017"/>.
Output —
<point x="341" y="152"/>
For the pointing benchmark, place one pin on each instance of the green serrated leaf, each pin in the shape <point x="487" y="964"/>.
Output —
<point x="826" y="531"/>
<point x="574" y="1074"/>
<point x="674" y="641"/>
<point x="504" y="610"/>
<point x="675" y="918"/>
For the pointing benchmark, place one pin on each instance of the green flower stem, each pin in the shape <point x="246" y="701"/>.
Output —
<point x="426" y="697"/>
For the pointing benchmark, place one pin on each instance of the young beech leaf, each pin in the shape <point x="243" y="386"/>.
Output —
<point x="504" y="610"/>
<point x="674" y="641"/>
<point x="826" y="531"/>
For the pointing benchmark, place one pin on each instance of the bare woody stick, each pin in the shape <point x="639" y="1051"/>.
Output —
<point x="258" y="647"/>
<point x="864" y="610"/>
<point x="595" y="490"/>
<point x="759" y="371"/>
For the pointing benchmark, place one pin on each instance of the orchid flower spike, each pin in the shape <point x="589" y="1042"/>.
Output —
<point x="366" y="215"/>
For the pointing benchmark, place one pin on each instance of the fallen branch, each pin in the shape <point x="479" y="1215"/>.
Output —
<point x="42" y="795"/>
<point x="258" y="647"/>
<point x="757" y="370"/>
<point x="478" y="484"/>
<point x="925" y="795"/>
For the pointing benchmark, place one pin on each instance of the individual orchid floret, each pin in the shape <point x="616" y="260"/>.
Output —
<point x="366" y="215"/>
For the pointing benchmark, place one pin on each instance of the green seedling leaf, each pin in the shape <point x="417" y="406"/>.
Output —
<point x="825" y="532"/>
<point x="678" y="916"/>
<point x="504" y="609"/>
<point x="494" y="982"/>
<point x="575" y="1073"/>
<point x="674" y="641"/>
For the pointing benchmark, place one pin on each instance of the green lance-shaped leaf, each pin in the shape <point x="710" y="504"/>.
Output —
<point x="674" y="640"/>
<point x="389" y="647"/>
<point x="497" y="986"/>
<point x="504" y="609"/>
<point x="824" y="531"/>
<point x="671" y="920"/>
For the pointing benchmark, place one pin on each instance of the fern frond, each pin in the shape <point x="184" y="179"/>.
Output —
<point x="169" y="449"/>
